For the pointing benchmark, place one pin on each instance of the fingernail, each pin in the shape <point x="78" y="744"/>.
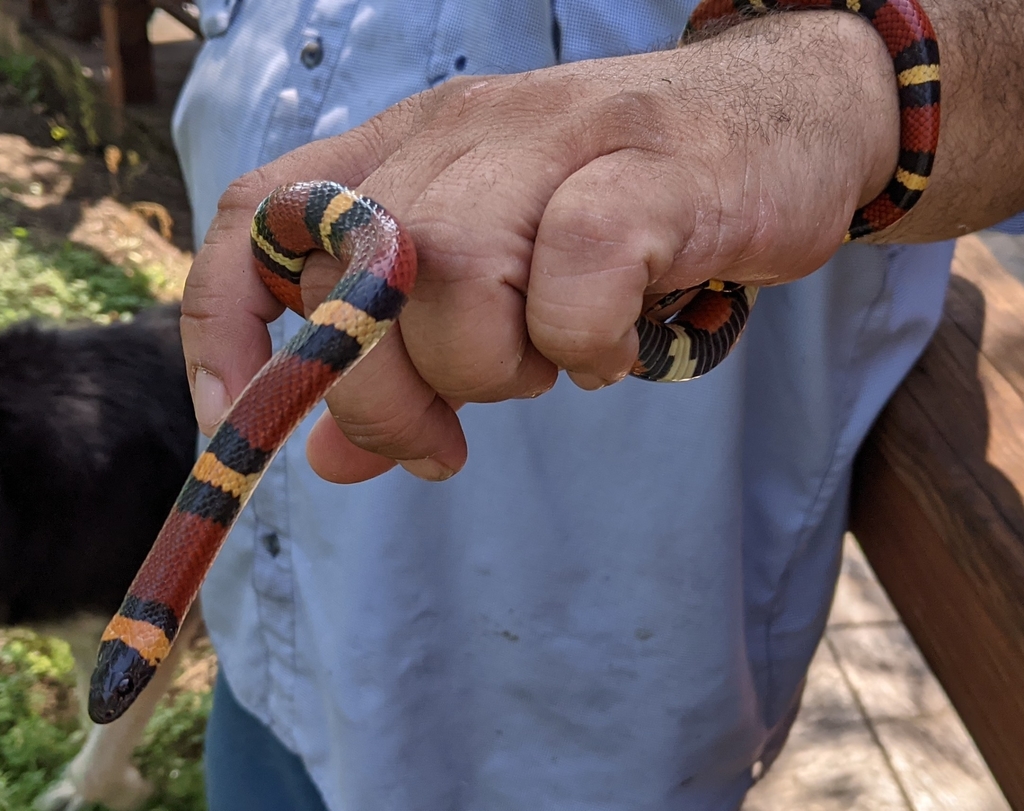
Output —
<point x="211" y="401"/>
<point x="429" y="469"/>
<point x="588" y="382"/>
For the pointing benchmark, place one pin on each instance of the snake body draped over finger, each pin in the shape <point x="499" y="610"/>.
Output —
<point x="380" y="269"/>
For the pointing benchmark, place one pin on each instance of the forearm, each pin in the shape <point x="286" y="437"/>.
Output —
<point x="979" y="167"/>
<point x="978" y="175"/>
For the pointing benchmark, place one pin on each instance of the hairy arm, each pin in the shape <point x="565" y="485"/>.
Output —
<point x="545" y="206"/>
<point x="978" y="178"/>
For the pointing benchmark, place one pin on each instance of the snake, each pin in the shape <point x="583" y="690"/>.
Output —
<point x="379" y="262"/>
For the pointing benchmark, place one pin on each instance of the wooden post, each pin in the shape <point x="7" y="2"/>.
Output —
<point x="937" y="507"/>
<point x="127" y="52"/>
<point x="112" y="56"/>
<point x="136" y="51"/>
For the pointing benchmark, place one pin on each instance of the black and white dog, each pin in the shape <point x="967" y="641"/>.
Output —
<point x="97" y="435"/>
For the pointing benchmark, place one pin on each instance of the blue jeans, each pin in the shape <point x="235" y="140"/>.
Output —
<point x="247" y="768"/>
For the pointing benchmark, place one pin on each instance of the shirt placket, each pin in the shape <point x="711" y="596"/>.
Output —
<point x="314" y="54"/>
<point x="296" y="109"/>
<point x="273" y="584"/>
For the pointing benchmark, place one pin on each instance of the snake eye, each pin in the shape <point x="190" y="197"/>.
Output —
<point x="125" y="686"/>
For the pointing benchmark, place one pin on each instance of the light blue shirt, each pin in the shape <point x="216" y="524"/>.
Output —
<point x="614" y="605"/>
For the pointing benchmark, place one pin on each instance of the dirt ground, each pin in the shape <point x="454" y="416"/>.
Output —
<point x="129" y="206"/>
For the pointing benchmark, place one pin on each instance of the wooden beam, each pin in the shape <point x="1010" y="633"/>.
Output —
<point x="112" y="56"/>
<point x="937" y="507"/>
<point x="127" y="52"/>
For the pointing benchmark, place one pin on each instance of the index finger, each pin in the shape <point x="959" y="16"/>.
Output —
<point x="225" y="307"/>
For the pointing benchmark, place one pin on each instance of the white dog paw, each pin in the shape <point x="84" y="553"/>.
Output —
<point x="126" y="793"/>
<point x="61" y="796"/>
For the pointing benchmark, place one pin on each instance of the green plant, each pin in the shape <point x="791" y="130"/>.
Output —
<point x="69" y="283"/>
<point x="81" y="93"/>
<point x="60" y="84"/>
<point x="38" y="723"/>
<point x="21" y="71"/>
<point x="171" y="752"/>
<point x="39" y="729"/>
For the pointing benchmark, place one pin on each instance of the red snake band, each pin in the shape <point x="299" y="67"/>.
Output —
<point x="380" y="268"/>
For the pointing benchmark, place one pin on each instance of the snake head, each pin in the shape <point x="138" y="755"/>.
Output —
<point x="121" y="674"/>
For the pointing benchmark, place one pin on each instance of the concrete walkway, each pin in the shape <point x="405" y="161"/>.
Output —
<point x="876" y="732"/>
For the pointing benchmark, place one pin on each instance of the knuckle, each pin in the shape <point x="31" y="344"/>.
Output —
<point x="581" y="226"/>
<point x="483" y="382"/>
<point x="629" y="119"/>
<point x="201" y="308"/>
<point x="434" y="103"/>
<point x="575" y="337"/>
<point x="395" y="429"/>
<point x="373" y="133"/>
<point x="460" y="91"/>
<point x="247" y="191"/>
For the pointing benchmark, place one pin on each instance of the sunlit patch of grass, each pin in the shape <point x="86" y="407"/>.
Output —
<point x="69" y="283"/>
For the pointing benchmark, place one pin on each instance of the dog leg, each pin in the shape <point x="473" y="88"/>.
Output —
<point x="102" y="772"/>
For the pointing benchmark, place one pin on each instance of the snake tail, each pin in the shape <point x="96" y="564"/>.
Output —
<point x="696" y="340"/>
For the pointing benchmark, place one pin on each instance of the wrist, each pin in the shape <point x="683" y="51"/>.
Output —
<point x="876" y="116"/>
<point x="821" y="98"/>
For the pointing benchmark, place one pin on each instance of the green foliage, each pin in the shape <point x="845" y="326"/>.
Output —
<point x="38" y="725"/>
<point x="69" y="283"/>
<point x="39" y="721"/>
<point x="171" y="752"/>
<point x="60" y="84"/>
<point x="21" y="71"/>
<point x="40" y="734"/>
<point x="80" y="93"/>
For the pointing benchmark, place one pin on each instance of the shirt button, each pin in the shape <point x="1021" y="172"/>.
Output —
<point x="312" y="53"/>
<point x="272" y="544"/>
<point x="757" y="771"/>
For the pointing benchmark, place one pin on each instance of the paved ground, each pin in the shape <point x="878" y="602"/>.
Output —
<point x="1008" y="249"/>
<point x="876" y="732"/>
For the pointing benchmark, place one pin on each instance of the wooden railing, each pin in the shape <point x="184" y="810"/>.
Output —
<point x="937" y="507"/>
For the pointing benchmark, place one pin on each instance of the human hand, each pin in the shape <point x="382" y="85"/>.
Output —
<point x="545" y="206"/>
